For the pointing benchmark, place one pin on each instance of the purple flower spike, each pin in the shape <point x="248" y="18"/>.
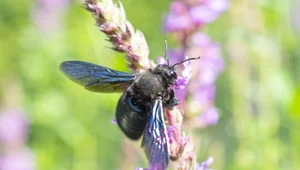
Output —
<point x="204" y="165"/>
<point x="184" y="21"/>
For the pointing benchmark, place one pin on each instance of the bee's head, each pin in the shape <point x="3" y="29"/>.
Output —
<point x="168" y="72"/>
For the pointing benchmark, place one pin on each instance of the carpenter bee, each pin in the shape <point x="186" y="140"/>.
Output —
<point x="140" y="109"/>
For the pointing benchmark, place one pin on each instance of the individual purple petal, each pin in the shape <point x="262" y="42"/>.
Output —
<point x="180" y="83"/>
<point x="204" y="165"/>
<point x="183" y="80"/>
<point x="187" y="71"/>
<point x="114" y="121"/>
<point x="169" y="132"/>
<point x="210" y="116"/>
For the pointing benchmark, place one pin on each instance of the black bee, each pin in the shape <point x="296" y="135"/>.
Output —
<point x="140" y="109"/>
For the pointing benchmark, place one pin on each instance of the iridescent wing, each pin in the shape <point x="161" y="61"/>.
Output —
<point x="155" y="140"/>
<point x="96" y="78"/>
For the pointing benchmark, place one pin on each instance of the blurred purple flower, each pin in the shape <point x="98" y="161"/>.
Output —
<point x="201" y="39"/>
<point x="176" y="55"/>
<point x="13" y="127"/>
<point x="47" y="14"/>
<point x="185" y="17"/>
<point x="204" y="165"/>
<point x="178" y="18"/>
<point x="114" y="121"/>
<point x="203" y="95"/>
<point x="209" y="116"/>
<point x="201" y="15"/>
<point x="169" y="132"/>
<point x="183" y="80"/>
<point x="174" y="22"/>
<point x="141" y="169"/>
<point x="22" y="159"/>
<point x="207" y="11"/>
<point x="161" y="60"/>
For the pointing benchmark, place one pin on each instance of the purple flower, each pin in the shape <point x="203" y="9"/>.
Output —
<point x="201" y="39"/>
<point x="169" y="132"/>
<point x="178" y="7"/>
<point x="178" y="18"/>
<point x="204" y="165"/>
<point x="161" y="60"/>
<point x="186" y="17"/>
<point x="207" y="11"/>
<point x="210" y="116"/>
<point x="176" y="55"/>
<point x="13" y="128"/>
<point x="203" y="94"/>
<point x="184" y="21"/>
<point x="114" y="121"/>
<point x="47" y="14"/>
<point x="186" y="73"/>
<point x="218" y="5"/>
<point x="21" y="159"/>
<point x="201" y="15"/>
<point x="211" y="63"/>
<point x="174" y="22"/>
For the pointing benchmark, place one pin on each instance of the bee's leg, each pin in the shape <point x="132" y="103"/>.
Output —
<point x="172" y="101"/>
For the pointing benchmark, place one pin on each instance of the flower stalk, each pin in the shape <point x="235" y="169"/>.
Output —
<point x="111" y="20"/>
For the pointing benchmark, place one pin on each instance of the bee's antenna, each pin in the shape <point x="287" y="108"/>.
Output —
<point x="194" y="58"/>
<point x="166" y="51"/>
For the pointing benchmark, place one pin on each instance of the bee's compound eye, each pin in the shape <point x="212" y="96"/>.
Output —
<point x="173" y="74"/>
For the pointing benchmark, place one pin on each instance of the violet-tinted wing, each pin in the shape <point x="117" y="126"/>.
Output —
<point x="155" y="139"/>
<point x="96" y="78"/>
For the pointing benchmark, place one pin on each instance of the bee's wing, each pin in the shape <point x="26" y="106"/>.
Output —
<point x="155" y="140"/>
<point x="96" y="78"/>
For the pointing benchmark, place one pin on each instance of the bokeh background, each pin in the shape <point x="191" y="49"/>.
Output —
<point x="48" y="122"/>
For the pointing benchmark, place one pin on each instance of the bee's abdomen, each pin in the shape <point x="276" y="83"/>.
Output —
<point x="131" y="117"/>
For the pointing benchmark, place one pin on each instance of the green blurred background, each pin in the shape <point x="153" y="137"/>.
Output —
<point x="258" y="95"/>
